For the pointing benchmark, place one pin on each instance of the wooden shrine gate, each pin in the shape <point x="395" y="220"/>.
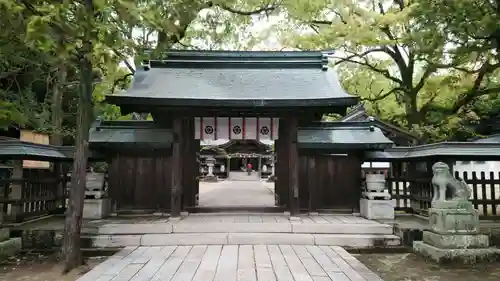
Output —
<point x="204" y="96"/>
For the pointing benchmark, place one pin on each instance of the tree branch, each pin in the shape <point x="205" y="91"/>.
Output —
<point x="380" y="97"/>
<point x="370" y="66"/>
<point x="266" y="9"/>
<point x="427" y="73"/>
<point x="476" y="90"/>
<point x="125" y="60"/>
<point x="122" y="79"/>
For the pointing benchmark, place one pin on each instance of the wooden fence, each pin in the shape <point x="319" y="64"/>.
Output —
<point x="411" y="189"/>
<point x="37" y="193"/>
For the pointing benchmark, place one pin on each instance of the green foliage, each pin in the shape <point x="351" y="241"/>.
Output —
<point x="430" y="66"/>
<point x="420" y="64"/>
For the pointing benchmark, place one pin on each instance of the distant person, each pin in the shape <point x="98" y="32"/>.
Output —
<point x="249" y="168"/>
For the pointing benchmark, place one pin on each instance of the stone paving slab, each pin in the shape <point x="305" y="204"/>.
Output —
<point x="232" y="263"/>
<point x="235" y="193"/>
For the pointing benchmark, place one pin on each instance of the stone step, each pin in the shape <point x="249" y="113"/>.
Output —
<point x="345" y="240"/>
<point x="244" y="227"/>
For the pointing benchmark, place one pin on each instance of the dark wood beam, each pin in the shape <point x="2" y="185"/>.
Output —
<point x="289" y="127"/>
<point x="176" y="168"/>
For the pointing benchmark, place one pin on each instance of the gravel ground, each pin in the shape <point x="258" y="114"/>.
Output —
<point x="41" y="268"/>
<point x="410" y="267"/>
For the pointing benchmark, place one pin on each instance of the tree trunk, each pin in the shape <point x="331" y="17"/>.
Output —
<point x="56" y="106"/>
<point x="71" y="244"/>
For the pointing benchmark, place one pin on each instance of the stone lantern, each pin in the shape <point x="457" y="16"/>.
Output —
<point x="210" y="164"/>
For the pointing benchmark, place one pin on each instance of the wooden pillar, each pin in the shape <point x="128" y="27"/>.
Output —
<point x="311" y="183"/>
<point x="281" y="184"/>
<point x="195" y="144"/>
<point x="189" y="163"/>
<point x="176" y="198"/>
<point x="260" y="166"/>
<point x="59" y="185"/>
<point x="289" y="141"/>
<point x="17" y="186"/>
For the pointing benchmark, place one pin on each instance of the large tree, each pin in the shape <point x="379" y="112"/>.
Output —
<point x="86" y="49"/>
<point x="404" y="44"/>
<point x="83" y="39"/>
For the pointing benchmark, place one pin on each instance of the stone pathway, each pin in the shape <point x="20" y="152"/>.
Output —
<point x="236" y="194"/>
<point x="232" y="263"/>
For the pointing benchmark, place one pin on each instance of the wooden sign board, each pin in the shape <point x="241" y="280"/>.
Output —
<point x="39" y="138"/>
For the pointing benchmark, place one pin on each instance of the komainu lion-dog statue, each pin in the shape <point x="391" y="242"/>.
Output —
<point x="443" y="181"/>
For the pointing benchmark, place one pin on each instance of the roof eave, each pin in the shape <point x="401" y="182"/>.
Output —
<point x="443" y="150"/>
<point x="124" y="100"/>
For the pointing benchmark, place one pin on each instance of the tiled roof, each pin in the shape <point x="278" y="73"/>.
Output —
<point x="138" y="134"/>
<point x="352" y="135"/>
<point x="228" y="79"/>
<point x="11" y="148"/>
<point x="443" y="150"/>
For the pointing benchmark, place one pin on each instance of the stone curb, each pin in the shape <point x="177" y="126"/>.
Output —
<point x="245" y="227"/>
<point x="359" y="241"/>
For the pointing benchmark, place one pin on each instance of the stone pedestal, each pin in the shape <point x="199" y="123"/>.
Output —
<point x="376" y="203"/>
<point x="376" y="209"/>
<point x="210" y="179"/>
<point x="96" y="208"/>
<point x="453" y="217"/>
<point x="453" y="235"/>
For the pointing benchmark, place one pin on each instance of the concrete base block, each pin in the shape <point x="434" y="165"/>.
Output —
<point x="456" y="241"/>
<point x="460" y="256"/>
<point x="184" y="214"/>
<point x="376" y="209"/>
<point x="286" y="213"/>
<point x="10" y="247"/>
<point x="294" y="218"/>
<point x="96" y="208"/>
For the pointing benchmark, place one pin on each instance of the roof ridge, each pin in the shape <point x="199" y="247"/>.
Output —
<point x="240" y="54"/>
<point x="245" y="63"/>
<point x="239" y="59"/>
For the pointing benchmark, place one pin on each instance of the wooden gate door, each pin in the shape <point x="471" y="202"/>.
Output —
<point x="334" y="182"/>
<point x="140" y="182"/>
